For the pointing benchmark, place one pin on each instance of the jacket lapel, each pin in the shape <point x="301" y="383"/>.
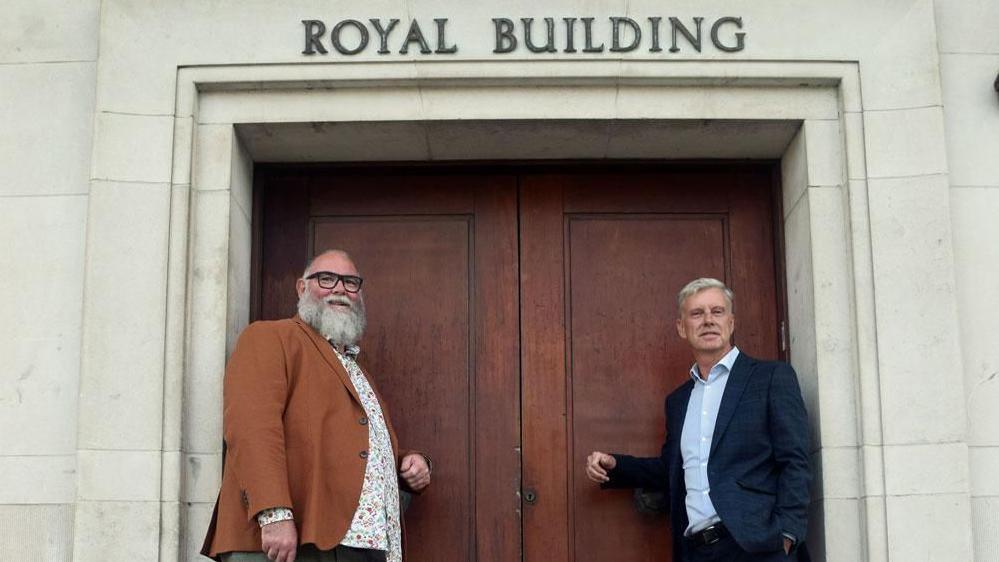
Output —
<point x="326" y="350"/>
<point x="683" y="398"/>
<point x="737" y="380"/>
<point x="683" y="395"/>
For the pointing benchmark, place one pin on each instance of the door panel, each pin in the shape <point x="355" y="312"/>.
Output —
<point x="622" y="361"/>
<point x="519" y="319"/>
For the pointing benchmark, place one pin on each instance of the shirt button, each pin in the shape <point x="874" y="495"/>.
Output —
<point x="363" y="454"/>
<point x="363" y="420"/>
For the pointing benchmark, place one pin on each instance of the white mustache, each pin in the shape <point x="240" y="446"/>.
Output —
<point x="339" y="299"/>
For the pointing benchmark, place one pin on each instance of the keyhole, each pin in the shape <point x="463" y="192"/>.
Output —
<point x="530" y="496"/>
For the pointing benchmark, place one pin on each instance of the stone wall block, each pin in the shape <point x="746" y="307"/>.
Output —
<point x="986" y="528"/>
<point x="690" y="139"/>
<point x="971" y="111"/>
<point x="976" y="257"/>
<point x="922" y="386"/>
<point x="926" y="469"/>
<point x="50" y="31"/>
<point x="960" y="29"/>
<point x="856" y="150"/>
<point x="208" y="280"/>
<point x="836" y="473"/>
<point x="761" y="102"/>
<point x="241" y="177"/>
<point x="239" y="274"/>
<point x="114" y="530"/>
<point x="203" y="476"/>
<point x="47" y="116"/>
<point x="824" y="144"/>
<point x="37" y="479"/>
<point x="801" y="306"/>
<point x="905" y="142"/>
<point x="119" y="475"/>
<point x="833" y="318"/>
<point x="521" y="103"/>
<point x="324" y="105"/>
<point x="874" y="530"/>
<point x="794" y="172"/>
<point x="929" y="527"/>
<point x="346" y="142"/>
<point x="37" y="532"/>
<point x="900" y="66"/>
<point x="137" y="148"/>
<point x="873" y="463"/>
<point x="213" y="157"/>
<point x="984" y="463"/>
<point x="183" y="155"/>
<point x="194" y="525"/>
<point x="834" y="530"/>
<point x="40" y="290"/>
<point x="121" y="388"/>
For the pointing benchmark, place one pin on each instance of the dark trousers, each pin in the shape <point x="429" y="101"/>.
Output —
<point x="727" y="550"/>
<point x="309" y="553"/>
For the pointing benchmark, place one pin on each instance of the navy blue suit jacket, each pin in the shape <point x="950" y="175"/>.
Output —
<point x="758" y="464"/>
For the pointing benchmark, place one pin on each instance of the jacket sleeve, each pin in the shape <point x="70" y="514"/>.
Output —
<point x="638" y="472"/>
<point x="255" y="391"/>
<point x="790" y="440"/>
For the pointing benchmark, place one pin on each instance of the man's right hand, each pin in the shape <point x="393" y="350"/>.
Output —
<point x="279" y="540"/>
<point x="597" y="465"/>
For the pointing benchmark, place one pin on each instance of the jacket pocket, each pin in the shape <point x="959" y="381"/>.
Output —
<point x="755" y="488"/>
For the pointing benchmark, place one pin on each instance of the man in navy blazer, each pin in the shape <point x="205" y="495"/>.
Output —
<point x="735" y="460"/>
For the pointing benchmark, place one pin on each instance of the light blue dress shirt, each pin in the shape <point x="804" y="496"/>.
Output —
<point x="695" y="441"/>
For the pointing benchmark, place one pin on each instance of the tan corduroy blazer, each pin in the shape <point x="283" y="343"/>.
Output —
<point x="296" y="436"/>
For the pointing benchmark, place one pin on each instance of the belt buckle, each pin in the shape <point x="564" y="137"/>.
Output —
<point x="710" y="535"/>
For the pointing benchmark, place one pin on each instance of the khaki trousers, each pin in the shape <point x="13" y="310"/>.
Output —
<point x="309" y="553"/>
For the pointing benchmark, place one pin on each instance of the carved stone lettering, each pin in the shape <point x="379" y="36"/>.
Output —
<point x="537" y="35"/>
<point x="506" y="41"/>
<point x="314" y="31"/>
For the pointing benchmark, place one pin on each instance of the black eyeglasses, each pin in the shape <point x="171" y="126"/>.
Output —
<point x="328" y="280"/>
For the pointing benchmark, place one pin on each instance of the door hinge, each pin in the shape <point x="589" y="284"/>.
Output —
<point x="783" y="335"/>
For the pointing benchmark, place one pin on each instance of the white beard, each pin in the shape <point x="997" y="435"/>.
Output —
<point x="341" y="327"/>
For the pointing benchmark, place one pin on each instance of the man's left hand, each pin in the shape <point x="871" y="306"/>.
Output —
<point x="414" y="471"/>
<point x="787" y="545"/>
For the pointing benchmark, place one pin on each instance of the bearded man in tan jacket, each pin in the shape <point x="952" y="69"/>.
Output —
<point x="312" y="468"/>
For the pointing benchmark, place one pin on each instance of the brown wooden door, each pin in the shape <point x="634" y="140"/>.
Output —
<point x="602" y="258"/>
<point x="439" y="258"/>
<point x="519" y="319"/>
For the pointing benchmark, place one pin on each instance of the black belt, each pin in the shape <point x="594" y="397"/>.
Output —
<point x="709" y="535"/>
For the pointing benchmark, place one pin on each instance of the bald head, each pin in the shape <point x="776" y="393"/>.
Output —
<point x="334" y="255"/>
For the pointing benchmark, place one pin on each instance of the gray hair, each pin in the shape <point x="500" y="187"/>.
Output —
<point x="312" y="260"/>
<point x="703" y="284"/>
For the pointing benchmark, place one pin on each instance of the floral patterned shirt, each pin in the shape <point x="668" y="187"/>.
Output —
<point x="376" y="522"/>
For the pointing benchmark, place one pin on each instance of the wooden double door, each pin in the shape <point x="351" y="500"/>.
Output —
<point x="521" y="318"/>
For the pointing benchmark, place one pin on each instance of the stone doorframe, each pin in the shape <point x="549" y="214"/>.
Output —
<point x="197" y="239"/>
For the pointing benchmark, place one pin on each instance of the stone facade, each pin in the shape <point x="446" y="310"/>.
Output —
<point x="126" y="162"/>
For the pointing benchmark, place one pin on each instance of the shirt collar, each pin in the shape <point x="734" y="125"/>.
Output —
<point x="726" y="366"/>
<point x="351" y="351"/>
